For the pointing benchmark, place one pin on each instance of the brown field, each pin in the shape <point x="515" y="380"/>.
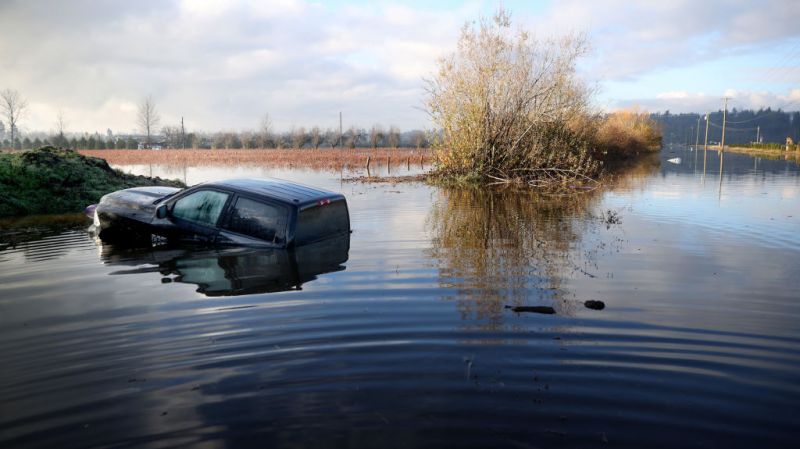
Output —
<point x="322" y="159"/>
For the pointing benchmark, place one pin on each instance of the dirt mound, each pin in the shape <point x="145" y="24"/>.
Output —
<point x="53" y="180"/>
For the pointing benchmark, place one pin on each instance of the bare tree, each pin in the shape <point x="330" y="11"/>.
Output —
<point x="61" y="123"/>
<point x="13" y="106"/>
<point x="393" y="137"/>
<point x="418" y="139"/>
<point x="148" y="118"/>
<point x="193" y="140"/>
<point x="265" y="132"/>
<point x="507" y="104"/>
<point x="226" y="140"/>
<point x="298" y="137"/>
<point x="315" y="137"/>
<point x="172" y="135"/>
<point x="60" y="139"/>
<point x="353" y="136"/>
<point x="280" y="140"/>
<point x="332" y="137"/>
<point x="250" y="140"/>
<point x="375" y="136"/>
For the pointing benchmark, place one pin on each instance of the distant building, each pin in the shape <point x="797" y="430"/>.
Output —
<point x="153" y="146"/>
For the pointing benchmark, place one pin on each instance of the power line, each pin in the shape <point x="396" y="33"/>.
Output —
<point x="728" y="128"/>
<point x="781" y="65"/>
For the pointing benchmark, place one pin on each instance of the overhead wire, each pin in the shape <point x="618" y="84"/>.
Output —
<point x="730" y="128"/>
<point x="782" y="63"/>
<point x="767" y="114"/>
<point x="774" y="73"/>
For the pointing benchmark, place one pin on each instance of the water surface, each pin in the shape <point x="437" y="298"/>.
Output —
<point x="403" y="336"/>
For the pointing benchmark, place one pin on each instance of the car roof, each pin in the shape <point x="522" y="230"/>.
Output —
<point x="279" y="189"/>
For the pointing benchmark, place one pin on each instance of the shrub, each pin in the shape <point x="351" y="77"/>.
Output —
<point x="507" y="105"/>
<point x="625" y="133"/>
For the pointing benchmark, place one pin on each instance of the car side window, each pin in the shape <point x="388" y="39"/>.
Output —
<point x="202" y="207"/>
<point x="260" y="220"/>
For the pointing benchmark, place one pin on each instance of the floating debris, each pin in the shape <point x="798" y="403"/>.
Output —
<point x="610" y="217"/>
<point x="674" y="160"/>
<point x="534" y="309"/>
<point x="594" y="304"/>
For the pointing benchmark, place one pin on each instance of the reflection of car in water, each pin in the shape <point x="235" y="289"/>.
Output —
<point x="234" y="271"/>
<point x="253" y="212"/>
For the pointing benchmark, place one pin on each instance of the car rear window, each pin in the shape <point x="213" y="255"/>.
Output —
<point x="319" y="222"/>
<point x="260" y="220"/>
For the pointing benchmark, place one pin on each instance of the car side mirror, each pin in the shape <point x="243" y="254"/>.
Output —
<point x="162" y="211"/>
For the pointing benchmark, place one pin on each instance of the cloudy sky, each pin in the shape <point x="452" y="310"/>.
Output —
<point x="224" y="64"/>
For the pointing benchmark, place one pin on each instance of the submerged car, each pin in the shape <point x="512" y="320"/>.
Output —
<point x="254" y="212"/>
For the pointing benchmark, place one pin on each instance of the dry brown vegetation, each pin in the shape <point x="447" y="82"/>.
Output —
<point x="326" y="159"/>
<point x="512" y="109"/>
<point x="503" y="101"/>
<point x="626" y="133"/>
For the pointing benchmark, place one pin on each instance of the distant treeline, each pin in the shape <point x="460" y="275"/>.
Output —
<point x="172" y="137"/>
<point x="742" y="126"/>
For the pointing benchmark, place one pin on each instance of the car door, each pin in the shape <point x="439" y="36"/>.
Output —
<point x="196" y="215"/>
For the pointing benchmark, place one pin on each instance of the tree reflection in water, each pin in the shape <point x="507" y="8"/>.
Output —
<point x="507" y="247"/>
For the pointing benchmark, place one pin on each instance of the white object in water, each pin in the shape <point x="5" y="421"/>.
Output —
<point x="675" y="160"/>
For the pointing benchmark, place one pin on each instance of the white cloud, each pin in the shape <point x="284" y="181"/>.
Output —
<point x="225" y="64"/>
<point x="634" y="38"/>
<point x="682" y="101"/>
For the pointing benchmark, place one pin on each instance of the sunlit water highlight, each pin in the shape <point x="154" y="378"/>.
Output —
<point x="406" y="340"/>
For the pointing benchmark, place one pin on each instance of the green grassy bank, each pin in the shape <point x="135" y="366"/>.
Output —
<point x="766" y="151"/>
<point x="52" y="181"/>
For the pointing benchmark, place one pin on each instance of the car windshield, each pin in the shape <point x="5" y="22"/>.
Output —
<point x="168" y="196"/>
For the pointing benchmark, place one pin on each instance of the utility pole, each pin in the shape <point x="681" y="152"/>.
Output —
<point x="705" y="150"/>
<point x="697" y="133"/>
<point x="758" y="134"/>
<point x="724" y="116"/>
<point x="183" y="136"/>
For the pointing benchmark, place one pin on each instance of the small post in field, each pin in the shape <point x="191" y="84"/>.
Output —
<point x="368" y="159"/>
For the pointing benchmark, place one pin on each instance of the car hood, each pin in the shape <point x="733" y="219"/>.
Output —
<point x="136" y="199"/>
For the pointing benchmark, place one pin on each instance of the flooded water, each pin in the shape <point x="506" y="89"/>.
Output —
<point x="413" y="333"/>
